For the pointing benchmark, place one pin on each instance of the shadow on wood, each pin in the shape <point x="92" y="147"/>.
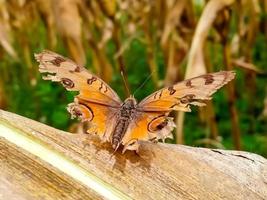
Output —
<point x="40" y="162"/>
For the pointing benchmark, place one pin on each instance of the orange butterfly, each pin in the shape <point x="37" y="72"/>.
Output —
<point x="125" y="123"/>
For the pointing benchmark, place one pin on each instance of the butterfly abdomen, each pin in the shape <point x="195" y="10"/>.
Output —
<point x="119" y="131"/>
<point x="126" y="113"/>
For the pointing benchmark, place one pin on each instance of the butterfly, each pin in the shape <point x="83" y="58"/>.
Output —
<point x="126" y="123"/>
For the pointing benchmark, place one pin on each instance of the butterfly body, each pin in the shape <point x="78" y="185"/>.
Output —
<point x="125" y="115"/>
<point x="126" y="123"/>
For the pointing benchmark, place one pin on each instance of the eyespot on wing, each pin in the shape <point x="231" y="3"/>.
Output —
<point x="84" y="113"/>
<point x="157" y="124"/>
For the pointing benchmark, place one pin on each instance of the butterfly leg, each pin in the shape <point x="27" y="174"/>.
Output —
<point x="154" y="140"/>
<point x="132" y="145"/>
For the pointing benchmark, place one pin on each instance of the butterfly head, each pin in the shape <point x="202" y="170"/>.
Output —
<point x="130" y="103"/>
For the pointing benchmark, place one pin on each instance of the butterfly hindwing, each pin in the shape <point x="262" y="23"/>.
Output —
<point x="102" y="118"/>
<point x="147" y="126"/>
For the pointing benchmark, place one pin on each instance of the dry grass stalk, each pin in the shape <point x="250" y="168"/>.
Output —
<point x="196" y="64"/>
<point x="240" y="62"/>
<point x="222" y="27"/>
<point x="264" y="112"/>
<point x="231" y="95"/>
<point x="100" y="31"/>
<point x="253" y="10"/>
<point x="108" y="7"/>
<point x="174" y="48"/>
<point x="3" y="102"/>
<point x="45" y="9"/>
<point x="5" y="31"/>
<point x="67" y="15"/>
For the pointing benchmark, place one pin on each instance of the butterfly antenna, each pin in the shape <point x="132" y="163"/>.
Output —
<point x="145" y="81"/>
<point x="125" y="84"/>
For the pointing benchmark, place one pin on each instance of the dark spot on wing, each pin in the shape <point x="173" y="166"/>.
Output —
<point x="67" y="83"/>
<point x="91" y="80"/>
<point x="208" y="79"/>
<point x="162" y="125"/>
<point x="77" y="112"/>
<point x="172" y="90"/>
<point x="188" y="83"/>
<point x="106" y="89"/>
<point x="187" y="98"/>
<point x="77" y="68"/>
<point x="57" y="61"/>
<point x="158" y="126"/>
<point x="101" y="86"/>
<point x="155" y="95"/>
<point x="160" y="94"/>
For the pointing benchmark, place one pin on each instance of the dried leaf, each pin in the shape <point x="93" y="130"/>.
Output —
<point x="196" y="64"/>
<point x="67" y="15"/>
<point x="5" y="30"/>
<point x="248" y="66"/>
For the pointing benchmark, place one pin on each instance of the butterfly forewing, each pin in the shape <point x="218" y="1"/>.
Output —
<point x="76" y="78"/>
<point x="192" y="91"/>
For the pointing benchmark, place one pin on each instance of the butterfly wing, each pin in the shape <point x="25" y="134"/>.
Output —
<point x="148" y="126"/>
<point x="152" y="121"/>
<point x="101" y="118"/>
<point x="192" y="91"/>
<point x="96" y="101"/>
<point x="76" y="78"/>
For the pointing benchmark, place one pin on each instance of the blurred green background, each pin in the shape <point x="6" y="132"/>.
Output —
<point x="169" y="40"/>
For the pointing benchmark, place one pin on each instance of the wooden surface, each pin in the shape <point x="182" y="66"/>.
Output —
<point x="162" y="171"/>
